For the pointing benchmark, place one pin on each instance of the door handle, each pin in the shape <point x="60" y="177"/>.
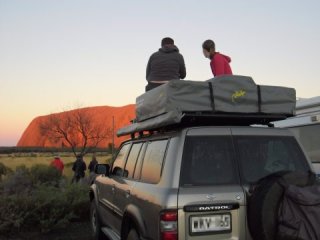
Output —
<point x="113" y="188"/>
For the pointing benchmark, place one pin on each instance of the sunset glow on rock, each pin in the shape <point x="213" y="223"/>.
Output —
<point x="103" y="114"/>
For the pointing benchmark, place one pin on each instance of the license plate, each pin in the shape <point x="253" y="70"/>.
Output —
<point x="211" y="223"/>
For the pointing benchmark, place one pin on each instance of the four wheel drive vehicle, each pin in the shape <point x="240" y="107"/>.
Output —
<point x="191" y="183"/>
<point x="197" y="168"/>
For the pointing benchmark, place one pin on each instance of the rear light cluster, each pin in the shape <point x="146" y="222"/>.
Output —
<point x="169" y="225"/>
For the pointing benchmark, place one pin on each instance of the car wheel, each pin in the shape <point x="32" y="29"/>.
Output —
<point x="97" y="234"/>
<point x="133" y="235"/>
<point x="265" y="201"/>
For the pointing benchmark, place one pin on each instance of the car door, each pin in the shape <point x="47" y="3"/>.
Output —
<point x="106" y="187"/>
<point x="122" y="195"/>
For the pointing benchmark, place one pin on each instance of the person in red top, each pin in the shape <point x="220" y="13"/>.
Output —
<point x="58" y="164"/>
<point x="219" y="62"/>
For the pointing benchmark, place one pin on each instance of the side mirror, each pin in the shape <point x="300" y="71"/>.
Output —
<point x="102" y="169"/>
<point x="118" y="171"/>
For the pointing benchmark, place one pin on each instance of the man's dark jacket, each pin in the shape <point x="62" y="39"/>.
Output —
<point x="165" y="65"/>
<point x="79" y="167"/>
<point x="92" y="165"/>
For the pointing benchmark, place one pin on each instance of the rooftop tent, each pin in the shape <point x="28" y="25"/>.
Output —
<point x="228" y="96"/>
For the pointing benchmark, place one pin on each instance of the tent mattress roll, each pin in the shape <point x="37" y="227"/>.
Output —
<point x="278" y="100"/>
<point x="229" y="94"/>
<point x="176" y="95"/>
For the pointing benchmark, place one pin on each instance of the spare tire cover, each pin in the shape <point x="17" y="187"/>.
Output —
<point x="263" y="205"/>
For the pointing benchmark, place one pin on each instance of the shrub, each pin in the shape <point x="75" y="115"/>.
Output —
<point x="19" y="182"/>
<point x="53" y="209"/>
<point x="78" y="196"/>
<point x="43" y="174"/>
<point x="45" y="209"/>
<point x="4" y="170"/>
<point x="10" y="216"/>
<point x="39" y="199"/>
<point x="23" y="180"/>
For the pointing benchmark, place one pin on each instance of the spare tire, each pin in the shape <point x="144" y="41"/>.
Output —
<point x="264" y="203"/>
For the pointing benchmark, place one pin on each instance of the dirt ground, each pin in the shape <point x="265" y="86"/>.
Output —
<point x="75" y="231"/>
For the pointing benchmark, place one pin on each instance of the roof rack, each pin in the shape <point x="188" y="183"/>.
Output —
<point x="223" y="119"/>
<point x="176" y="120"/>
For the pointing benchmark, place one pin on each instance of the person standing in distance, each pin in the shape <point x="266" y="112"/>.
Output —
<point x="79" y="167"/>
<point x="165" y="65"/>
<point x="220" y="64"/>
<point x="58" y="164"/>
<point x="91" y="168"/>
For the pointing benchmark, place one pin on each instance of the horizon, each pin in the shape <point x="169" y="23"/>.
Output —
<point x="66" y="110"/>
<point x="75" y="52"/>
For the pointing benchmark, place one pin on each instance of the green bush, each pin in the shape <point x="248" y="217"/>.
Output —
<point x="46" y="209"/>
<point x="53" y="209"/>
<point x="11" y="212"/>
<point x="43" y="174"/>
<point x="33" y="201"/>
<point x="19" y="182"/>
<point x="78" y="195"/>
<point x="4" y="170"/>
<point x="23" y="180"/>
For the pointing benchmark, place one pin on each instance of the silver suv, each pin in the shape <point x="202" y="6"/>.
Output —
<point x="189" y="183"/>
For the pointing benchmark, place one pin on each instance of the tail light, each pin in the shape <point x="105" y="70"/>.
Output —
<point x="169" y="225"/>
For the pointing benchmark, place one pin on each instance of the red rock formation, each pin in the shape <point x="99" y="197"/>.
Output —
<point x="122" y="116"/>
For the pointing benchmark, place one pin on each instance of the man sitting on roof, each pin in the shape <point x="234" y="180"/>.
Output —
<point x="165" y="65"/>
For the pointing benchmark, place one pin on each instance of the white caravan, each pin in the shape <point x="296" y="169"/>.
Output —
<point x="306" y="127"/>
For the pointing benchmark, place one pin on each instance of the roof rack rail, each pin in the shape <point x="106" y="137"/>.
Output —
<point x="237" y="119"/>
<point x="193" y="119"/>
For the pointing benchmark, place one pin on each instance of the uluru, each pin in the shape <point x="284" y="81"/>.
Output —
<point x="32" y="136"/>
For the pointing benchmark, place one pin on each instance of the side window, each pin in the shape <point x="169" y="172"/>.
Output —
<point x="137" y="171"/>
<point x="132" y="159"/>
<point x="152" y="164"/>
<point x="118" y="164"/>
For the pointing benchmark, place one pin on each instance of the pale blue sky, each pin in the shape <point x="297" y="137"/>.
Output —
<point x="61" y="54"/>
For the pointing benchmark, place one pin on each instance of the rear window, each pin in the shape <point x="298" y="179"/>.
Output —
<point x="260" y="156"/>
<point x="208" y="160"/>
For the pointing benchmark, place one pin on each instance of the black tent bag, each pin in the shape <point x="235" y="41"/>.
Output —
<point x="299" y="213"/>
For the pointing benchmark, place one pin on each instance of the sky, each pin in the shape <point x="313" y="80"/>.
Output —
<point x="56" y="55"/>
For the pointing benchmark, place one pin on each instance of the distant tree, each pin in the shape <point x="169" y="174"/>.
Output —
<point x="75" y="128"/>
